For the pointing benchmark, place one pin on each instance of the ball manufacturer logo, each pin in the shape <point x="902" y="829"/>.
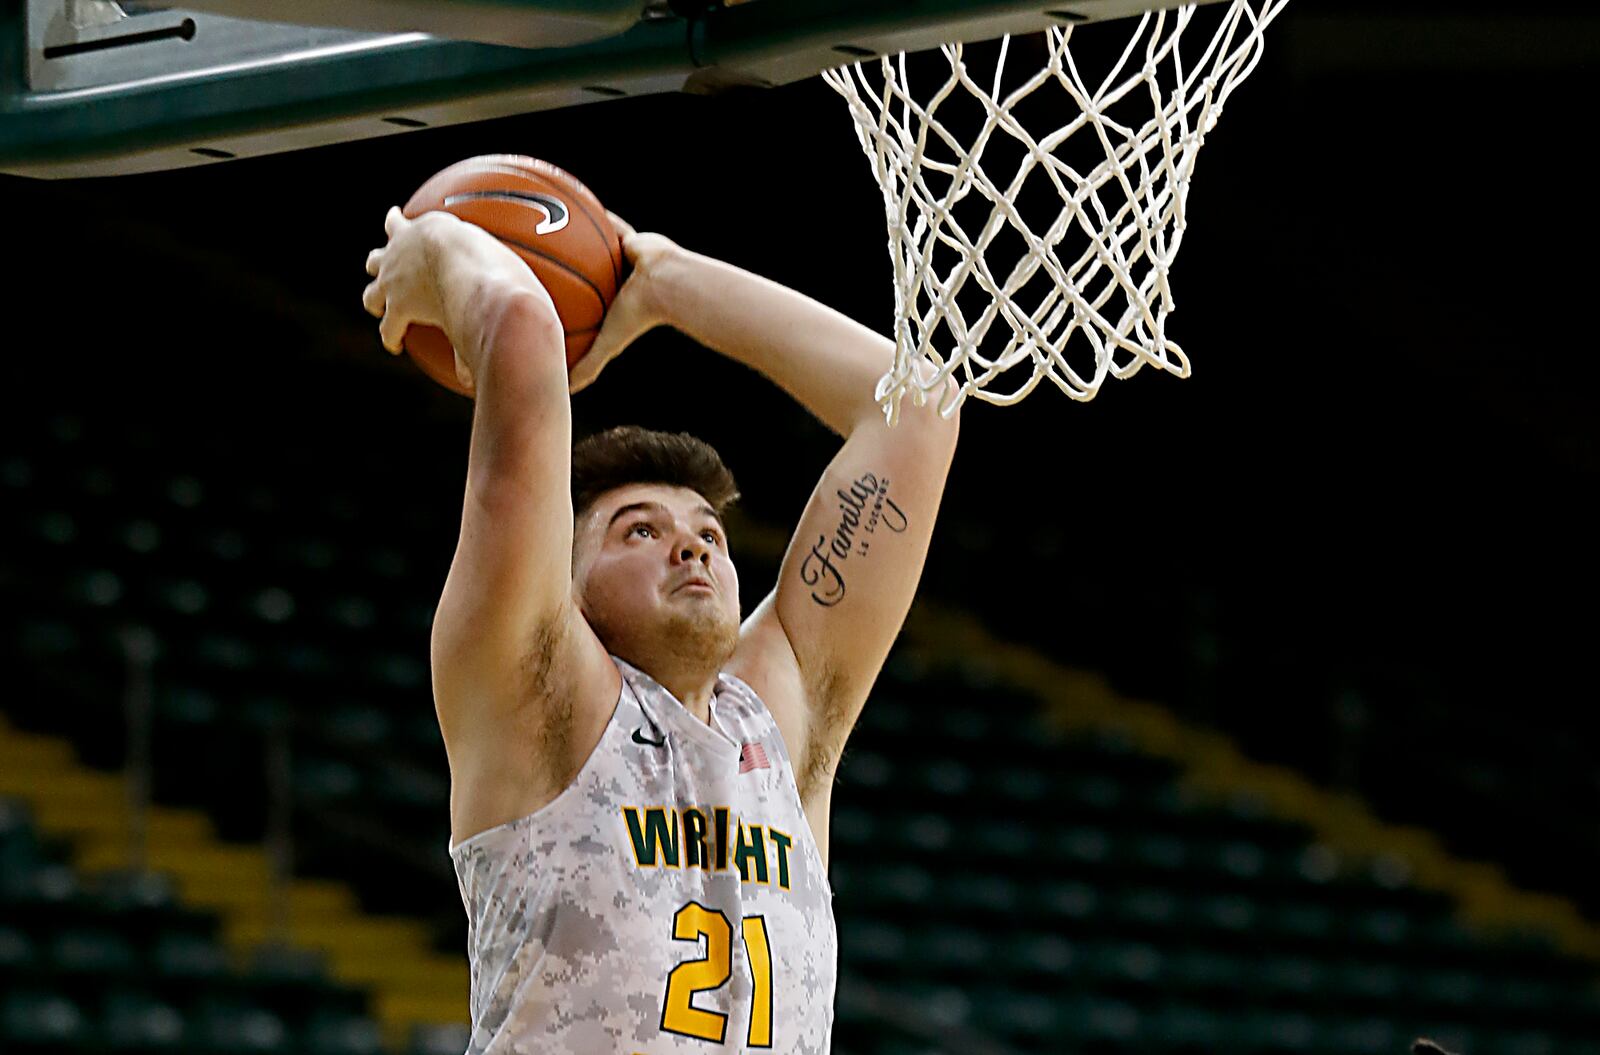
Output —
<point x="554" y="209"/>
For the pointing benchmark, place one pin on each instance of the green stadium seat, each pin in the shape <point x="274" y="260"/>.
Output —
<point x="359" y="726"/>
<point x="1232" y="914"/>
<point x="904" y="1046"/>
<point x="331" y="1033"/>
<point x="187" y="705"/>
<point x="1382" y="927"/>
<point x="1078" y="847"/>
<point x="271" y="963"/>
<point x="322" y="779"/>
<point x="1040" y="956"/>
<point x="951" y="949"/>
<point x="136" y="1022"/>
<point x="303" y="661"/>
<point x="1290" y="977"/>
<point x="241" y="1028"/>
<point x="1186" y="1028"/>
<point x="872" y="942"/>
<point x="226" y="653"/>
<point x="889" y="714"/>
<point x="1028" y="1017"/>
<point x="1528" y="999"/>
<point x="182" y="955"/>
<point x="85" y="951"/>
<point x="45" y="884"/>
<point x="1281" y="1033"/>
<point x="866" y="769"/>
<point x="134" y="891"/>
<point x="1301" y="922"/>
<point x="1367" y="1036"/>
<point x="19" y="849"/>
<point x="348" y="613"/>
<point x="1112" y="1023"/>
<point x="1069" y="899"/>
<point x="1522" y="1042"/>
<point x="1446" y="991"/>
<point x="1091" y="794"/>
<point x="945" y="778"/>
<point x="852" y="827"/>
<point x="1128" y="965"/>
<point x="1159" y="853"/>
<point x="18" y="954"/>
<point x="964" y="725"/>
<point x="410" y="785"/>
<point x="943" y="1006"/>
<point x="981" y="892"/>
<point x="922" y="833"/>
<point x="902" y="884"/>
<point x="40" y="1017"/>
<point x="1147" y="907"/>
<point x="1199" y="970"/>
<point x="49" y="639"/>
<point x="438" y="1040"/>
<point x="1005" y="843"/>
<point x="1366" y="981"/>
<point x="1243" y="862"/>
<point x="1018" y="786"/>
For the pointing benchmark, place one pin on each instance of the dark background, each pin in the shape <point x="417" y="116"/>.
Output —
<point x="1360" y="539"/>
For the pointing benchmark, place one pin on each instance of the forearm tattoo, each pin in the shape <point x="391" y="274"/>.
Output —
<point x="864" y="507"/>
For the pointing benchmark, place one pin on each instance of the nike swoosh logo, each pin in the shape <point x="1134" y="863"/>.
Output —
<point x="554" y="209"/>
<point x="638" y="739"/>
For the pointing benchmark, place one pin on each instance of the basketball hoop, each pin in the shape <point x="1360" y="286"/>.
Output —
<point x="1076" y="291"/>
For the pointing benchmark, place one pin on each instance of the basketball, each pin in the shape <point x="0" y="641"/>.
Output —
<point x="550" y="220"/>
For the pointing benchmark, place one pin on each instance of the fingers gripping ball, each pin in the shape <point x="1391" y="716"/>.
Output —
<point x="550" y="220"/>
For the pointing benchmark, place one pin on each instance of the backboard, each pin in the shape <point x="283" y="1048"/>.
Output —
<point x="98" y="88"/>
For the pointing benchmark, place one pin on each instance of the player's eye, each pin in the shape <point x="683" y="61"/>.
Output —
<point x="709" y="536"/>
<point x="642" y="529"/>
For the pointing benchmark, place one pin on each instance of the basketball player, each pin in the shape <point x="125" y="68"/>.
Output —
<point x="640" y="784"/>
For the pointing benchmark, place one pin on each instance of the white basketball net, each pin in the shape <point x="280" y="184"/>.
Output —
<point x="1099" y="265"/>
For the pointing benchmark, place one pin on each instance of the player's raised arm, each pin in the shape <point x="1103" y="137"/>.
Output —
<point x="814" y="648"/>
<point x="505" y="620"/>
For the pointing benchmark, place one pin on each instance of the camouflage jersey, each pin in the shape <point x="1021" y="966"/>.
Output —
<point x="671" y="899"/>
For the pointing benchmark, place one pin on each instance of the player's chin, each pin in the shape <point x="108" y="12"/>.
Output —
<point x="706" y="631"/>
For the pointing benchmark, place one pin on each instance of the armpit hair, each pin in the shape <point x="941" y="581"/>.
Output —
<point x="828" y="694"/>
<point x="548" y="710"/>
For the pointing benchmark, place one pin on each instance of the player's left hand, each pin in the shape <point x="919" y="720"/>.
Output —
<point x="635" y="311"/>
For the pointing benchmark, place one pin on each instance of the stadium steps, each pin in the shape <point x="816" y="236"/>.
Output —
<point x="410" y="984"/>
<point x="1081" y="701"/>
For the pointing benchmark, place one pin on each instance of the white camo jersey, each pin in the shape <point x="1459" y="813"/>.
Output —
<point x="671" y="899"/>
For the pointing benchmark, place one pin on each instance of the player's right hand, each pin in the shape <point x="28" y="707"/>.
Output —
<point x="435" y="271"/>
<point x="405" y="286"/>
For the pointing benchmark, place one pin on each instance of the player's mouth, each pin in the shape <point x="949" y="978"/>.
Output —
<point x="696" y="584"/>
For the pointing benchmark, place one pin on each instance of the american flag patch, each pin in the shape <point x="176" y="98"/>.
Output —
<point x="753" y="756"/>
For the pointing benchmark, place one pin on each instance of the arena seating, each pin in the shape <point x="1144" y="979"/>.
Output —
<point x="112" y="963"/>
<point x="1106" y="908"/>
<point x="994" y="880"/>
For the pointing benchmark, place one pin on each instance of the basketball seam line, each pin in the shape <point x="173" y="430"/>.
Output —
<point x="616" y="274"/>
<point x="536" y="173"/>
<point x="580" y="276"/>
<point x="579" y="189"/>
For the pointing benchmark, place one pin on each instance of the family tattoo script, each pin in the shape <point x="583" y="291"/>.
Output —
<point x="862" y="510"/>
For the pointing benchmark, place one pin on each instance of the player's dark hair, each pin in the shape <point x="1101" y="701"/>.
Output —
<point x="632" y="455"/>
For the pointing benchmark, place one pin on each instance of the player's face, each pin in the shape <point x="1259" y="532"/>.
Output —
<point x="653" y="571"/>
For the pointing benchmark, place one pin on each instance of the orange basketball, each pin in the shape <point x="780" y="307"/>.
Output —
<point x="550" y="220"/>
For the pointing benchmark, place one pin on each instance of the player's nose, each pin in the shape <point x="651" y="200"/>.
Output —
<point x="692" y="547"/>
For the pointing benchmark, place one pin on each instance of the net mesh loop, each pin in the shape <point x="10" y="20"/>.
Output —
<point x="1086" y="296"/>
